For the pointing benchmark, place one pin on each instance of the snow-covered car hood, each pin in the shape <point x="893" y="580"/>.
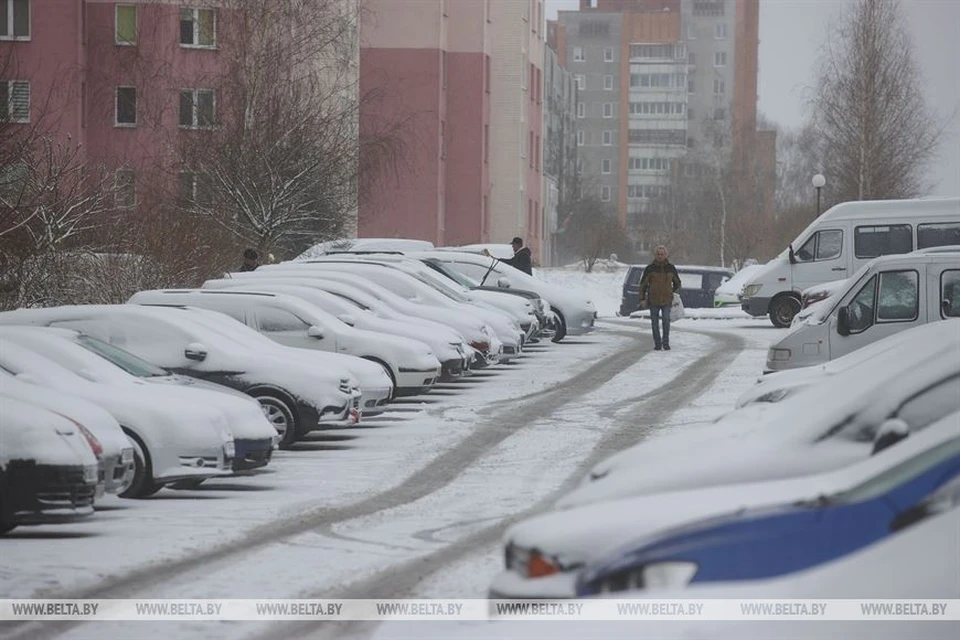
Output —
<point x="30" y="432"/>
<point x="244" y="415"/>
<point x="729" y="291"/>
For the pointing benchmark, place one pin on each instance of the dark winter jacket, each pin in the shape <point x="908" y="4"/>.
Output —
<point x="247" y="267"/>
<point x="658" y="283"/>
<point x="521" y="260"/>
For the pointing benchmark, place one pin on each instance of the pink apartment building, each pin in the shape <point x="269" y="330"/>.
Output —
<point x="465" y="77"/>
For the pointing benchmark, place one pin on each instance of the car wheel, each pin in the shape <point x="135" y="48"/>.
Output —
<point x="561" y="330"/>
<point x="782" y="311"/>
<point x="142" y="485"/>
<point x="280" y="415"/>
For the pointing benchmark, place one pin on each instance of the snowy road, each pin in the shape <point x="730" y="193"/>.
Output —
<point x="412" y="504"/>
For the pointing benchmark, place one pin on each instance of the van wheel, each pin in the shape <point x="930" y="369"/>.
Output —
<point x="782" y="311"/>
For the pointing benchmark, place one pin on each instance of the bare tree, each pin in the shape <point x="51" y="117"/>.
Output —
<point x="877" y="133"/>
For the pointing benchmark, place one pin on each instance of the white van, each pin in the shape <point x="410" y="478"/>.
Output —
<point x="841" y="241"/>
<point x="888" y="295"/>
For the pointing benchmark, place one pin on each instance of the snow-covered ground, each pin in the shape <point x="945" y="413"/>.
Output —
<point x="410" y="503"/>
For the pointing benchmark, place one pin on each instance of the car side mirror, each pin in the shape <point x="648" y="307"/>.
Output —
<point x="843" y="321"/>
<point x="793" y="256"/>
<point x="346" y="318"/>
<point x="195" y="351"/>
<point x="890" y="433"/>
<point x="86" y="374"/>
<point x="503" y="283"/>
<point x="315" y="332"/>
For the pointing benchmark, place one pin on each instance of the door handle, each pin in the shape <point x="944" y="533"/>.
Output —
<point x="839" y="269"/>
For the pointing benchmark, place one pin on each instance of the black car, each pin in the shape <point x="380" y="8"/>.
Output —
<point x="696" y="292"/>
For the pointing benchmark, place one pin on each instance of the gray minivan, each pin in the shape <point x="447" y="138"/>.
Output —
<point x="887" y="295"/>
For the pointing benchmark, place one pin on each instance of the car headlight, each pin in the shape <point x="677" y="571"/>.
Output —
<point x="778" y="355"/>
<point x="126" y="456"/>
<point x="91" y="474"/>
<point x="751" y="290"/>
<point x="229" y="449"/>
<point x="773" y="396"/>
<point x="345" y="385"/>
<point x="668" y="574"/>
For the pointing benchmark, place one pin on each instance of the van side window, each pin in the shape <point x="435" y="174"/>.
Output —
<point x="899" y="296"/>
<point x="823" y="245"/>
<point x="862" y="305"/>
<point x="873" y="241"/>
<point x="939" y="234"/>
<point x="950" y="293"/>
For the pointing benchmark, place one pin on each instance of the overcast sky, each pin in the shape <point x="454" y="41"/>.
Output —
<point x="792" y="33"/>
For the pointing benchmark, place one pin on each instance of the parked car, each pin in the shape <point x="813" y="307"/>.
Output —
<point x="412" y="366"/>
<point x="544" y="554"/>
<point x="364" y="244"/>
<point x="575" y="312"/>
<point x="762" y="543"/>
<point x="728" y="293"/>
<point x="908" y="349"/>
<point x="826" y="426"/>
<point x="698" y="286"/>
<point x="818" y="292"/>
<point x="888" y="295"/>
<point x="116" y="449"/>
<point x="478" y="335"/>
<point x="299" y="394"/>
<point x="841" y="241"/>
<point x="410" y="288"/>
<point x="48" y="472"/>
<point x="254" y="437"/>
<point x="447" y="344"/>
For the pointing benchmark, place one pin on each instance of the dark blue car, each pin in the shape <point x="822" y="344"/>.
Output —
<point x="758" y="544"/>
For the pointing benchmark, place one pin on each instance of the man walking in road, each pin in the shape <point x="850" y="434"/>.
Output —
<point x="521" y="257"/>
<point x="658" y="283"/>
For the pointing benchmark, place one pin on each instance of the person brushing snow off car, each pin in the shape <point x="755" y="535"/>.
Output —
<point x="521" y="257"/>
<point x="658" y="283"/>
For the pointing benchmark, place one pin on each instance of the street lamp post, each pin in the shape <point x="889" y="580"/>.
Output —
<point x="818" y="182"/>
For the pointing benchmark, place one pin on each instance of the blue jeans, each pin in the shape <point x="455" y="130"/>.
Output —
<point x="655" y="313"/>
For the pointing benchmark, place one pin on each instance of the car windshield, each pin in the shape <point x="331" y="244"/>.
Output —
<point x="458" y="277"/>
<point x="899" y="474"/>
<point x="124" y="359"/>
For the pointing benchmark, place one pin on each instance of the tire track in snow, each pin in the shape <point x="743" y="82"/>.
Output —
<point x="499" y="423"/>
<point x="400" y="580"/>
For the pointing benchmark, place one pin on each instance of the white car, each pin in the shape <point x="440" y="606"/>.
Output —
<point x="575" y="311"/>
<point x="478" y="335"/>
<point x="545" y="552"/>
<point x="49" y="470"/>
<point x="825" y="426"/>
<point x="412" y="366"/>
<point x="254" y="437"/>
<point x="172" y="440"/>
<point x="728" y="293"/>
<point x="908" y="348"/>
<point x="412" y="289"/>
<point x="299" y="393"/>
<point x="447" y="344"/>
<point x="117" y="456"/>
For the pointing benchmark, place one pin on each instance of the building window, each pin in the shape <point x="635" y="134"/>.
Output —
<point x="14" y="19"/>
<point x="691" y="32"/>
<point x="486" y="70"/>
<point x="14" y="101"/>
<point x="581" y="110"/>
<point x="536" y="153"/>
<point x="605" y="193"/>
<point x="530" y="149"/>
<point x="579" y="138"/>
<point x="719" y="114"/>
<point x="580" y="82"/>
<point x="125" y="18"/>
<point x="691" y="85"/>
<point x="692" y="59"/>
<point x="198" y="28"/>
<point x="608" y="138"/>
<point x="605" y="165"/>
<point x="608" y="54"/>
<point x="719" y="86"/>
<point x="126" y="106"/>
<point x="196" y="190"/>
<point x="607" y="109"/>
<point x="197" y="108"/>
<point x="720" y="30"/>
<point x="720" y="59"/>
<point x="608" y="83"/>
<point x="486" y="143"/>
<point x="125" y="195"/>
<point x="578" y="54"/>
<point x="658" y="80"/>
<point x="708" y="7"/>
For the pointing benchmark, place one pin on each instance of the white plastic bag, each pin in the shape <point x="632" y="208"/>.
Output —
<point x="676" y="309"/>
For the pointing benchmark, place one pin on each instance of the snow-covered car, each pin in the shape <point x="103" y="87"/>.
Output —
<point x="728" y="293"/>
<point x="826" y="426"/>
<point x="413" y="367"/>
<point x="173" y="439"/>
<point x="544" y="554"/>
<point x="117" y="450"/>
<point x="412" y="289"/>
<point x="364" y="244"/>
<point x="48" y="472"/>
<point x="447" y="344"/>
<point x="253" y="436"/>
<point x="576" y="313"/>
<point x="912" y="347"/>
<point x="297" y="394"/>
<point x="478" y="335"/>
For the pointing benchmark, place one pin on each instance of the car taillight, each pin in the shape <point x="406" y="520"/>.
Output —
<point x="91" y="440"/>
<point x="538" y="566"/>
<point x="480" y="346"/>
